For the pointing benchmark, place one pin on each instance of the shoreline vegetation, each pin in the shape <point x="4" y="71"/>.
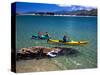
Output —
<point x="87" y="13"/>
<point x="55" y="15"/>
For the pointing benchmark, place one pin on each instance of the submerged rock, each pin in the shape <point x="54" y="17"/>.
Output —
<point x="41" y="52"/>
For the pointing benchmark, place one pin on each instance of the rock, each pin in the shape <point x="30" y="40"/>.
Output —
<point x="40" y="51"/>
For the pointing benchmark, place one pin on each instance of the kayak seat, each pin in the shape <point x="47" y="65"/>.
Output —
<point x="60" y="40"/>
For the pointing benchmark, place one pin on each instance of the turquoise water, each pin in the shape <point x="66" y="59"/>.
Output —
<point x="77" y="28"/>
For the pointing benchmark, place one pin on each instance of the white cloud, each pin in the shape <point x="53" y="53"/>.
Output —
<point x="63" y="5"/>
<point x="91" y="3"/>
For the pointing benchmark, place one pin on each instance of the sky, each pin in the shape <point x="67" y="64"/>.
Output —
<point x="37" y="7"/>
<point x="22" y="7"/>
<point x="65" y="2"/>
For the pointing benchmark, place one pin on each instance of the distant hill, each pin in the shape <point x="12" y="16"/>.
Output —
<point x="92" y="12"/>
<point x="66" y="10"/>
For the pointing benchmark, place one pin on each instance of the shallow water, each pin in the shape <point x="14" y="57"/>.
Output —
<point x="77" y="28"/>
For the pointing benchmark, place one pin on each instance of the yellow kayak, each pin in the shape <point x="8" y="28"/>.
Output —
<point x="67" y="43"/>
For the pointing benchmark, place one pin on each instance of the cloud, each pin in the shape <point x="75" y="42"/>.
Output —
<point x="90" y="3"/>
<point x="63" y="5"/>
